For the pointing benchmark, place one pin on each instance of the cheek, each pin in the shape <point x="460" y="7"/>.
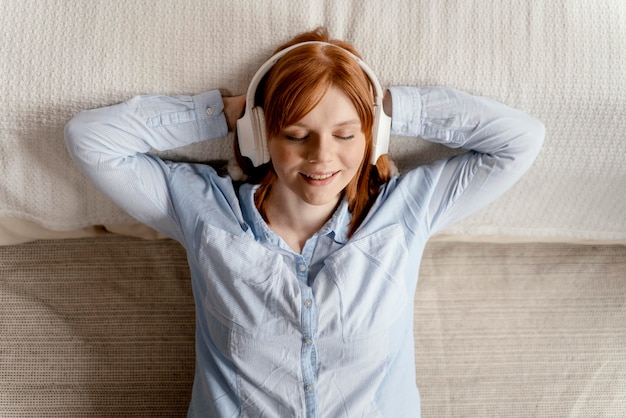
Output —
<point x="282" y="157"/>
<point x="277" y="153"/>
<point x="357" y="153"/>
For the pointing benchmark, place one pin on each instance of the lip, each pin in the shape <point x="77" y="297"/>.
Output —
<point x="319" y="178"/>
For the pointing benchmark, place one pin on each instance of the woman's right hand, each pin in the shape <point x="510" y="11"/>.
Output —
<point x="233" y="110"/>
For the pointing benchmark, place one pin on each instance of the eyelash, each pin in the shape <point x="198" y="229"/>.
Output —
<point x="292" y="138"/>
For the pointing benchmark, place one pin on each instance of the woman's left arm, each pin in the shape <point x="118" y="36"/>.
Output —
<point x="503" y="143"/>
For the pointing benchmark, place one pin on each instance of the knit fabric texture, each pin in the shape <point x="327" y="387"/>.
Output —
<point x="562" y="62"/>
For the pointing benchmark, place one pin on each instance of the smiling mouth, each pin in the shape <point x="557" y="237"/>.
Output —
<point x="319" y="177"/>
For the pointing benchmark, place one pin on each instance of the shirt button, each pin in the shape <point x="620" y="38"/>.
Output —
<point x="308" y="303"/>
<point x="308" y="341"/>
<point x="308" y="388"/>
<point x="209" y="111"/>
<point x="302" y="267"/>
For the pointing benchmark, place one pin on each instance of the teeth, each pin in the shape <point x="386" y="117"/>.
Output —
<point x="319" y="177"/>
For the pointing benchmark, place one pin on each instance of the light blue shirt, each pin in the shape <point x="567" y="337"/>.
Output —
<point x="324" y="333"/>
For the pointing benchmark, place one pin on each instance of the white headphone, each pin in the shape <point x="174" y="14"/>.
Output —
<point x="251" y="131"/>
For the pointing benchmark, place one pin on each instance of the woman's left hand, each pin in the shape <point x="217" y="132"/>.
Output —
<point x="387" y="108"/>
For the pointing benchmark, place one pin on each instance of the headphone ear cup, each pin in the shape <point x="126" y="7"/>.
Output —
<point x="381" y="133"/>
<point x="260" y="135"/>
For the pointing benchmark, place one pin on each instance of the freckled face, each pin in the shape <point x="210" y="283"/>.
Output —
<point x="318" y="156"/>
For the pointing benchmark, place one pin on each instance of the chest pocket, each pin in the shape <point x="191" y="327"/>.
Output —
<point x="366" y="277"/>
<point x="246" y="290"/>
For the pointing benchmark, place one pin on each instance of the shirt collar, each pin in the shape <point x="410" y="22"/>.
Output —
<point x="339" y="224"/>
<point x="337" y="227"/>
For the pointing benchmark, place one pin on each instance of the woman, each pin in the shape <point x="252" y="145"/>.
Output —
<point x="303" y="276"/>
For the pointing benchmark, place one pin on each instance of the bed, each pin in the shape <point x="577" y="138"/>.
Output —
<point x="520" y="308"/>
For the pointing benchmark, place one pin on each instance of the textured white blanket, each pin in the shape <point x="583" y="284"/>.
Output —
<point x="562" y="62"/>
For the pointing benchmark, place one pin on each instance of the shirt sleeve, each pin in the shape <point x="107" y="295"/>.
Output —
<point x="110" y="146"/>
<point x="503" y="143"/>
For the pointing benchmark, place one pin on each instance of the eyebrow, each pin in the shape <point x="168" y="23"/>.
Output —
<point x="344" y="123"/>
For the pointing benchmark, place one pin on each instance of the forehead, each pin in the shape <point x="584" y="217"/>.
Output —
<point x="334" y="109"/>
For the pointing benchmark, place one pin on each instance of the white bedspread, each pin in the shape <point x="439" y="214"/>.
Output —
<point x="563" y="62"/>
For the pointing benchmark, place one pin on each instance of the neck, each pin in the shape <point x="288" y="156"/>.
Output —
<point x="296" y="221"/>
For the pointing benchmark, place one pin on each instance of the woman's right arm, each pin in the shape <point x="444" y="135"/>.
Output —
<point x="110" y="146"/>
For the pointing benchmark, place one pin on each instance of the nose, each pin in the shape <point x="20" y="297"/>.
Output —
<point x="320" y="149"/>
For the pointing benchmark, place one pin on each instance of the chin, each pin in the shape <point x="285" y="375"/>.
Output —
<point x="322" y="200"/>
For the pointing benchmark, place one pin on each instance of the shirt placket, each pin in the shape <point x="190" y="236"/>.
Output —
<point x="308" y="350"/>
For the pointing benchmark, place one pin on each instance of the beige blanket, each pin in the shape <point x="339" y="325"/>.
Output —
<point x="563" y="62"/>
<point x="104" y="327"/>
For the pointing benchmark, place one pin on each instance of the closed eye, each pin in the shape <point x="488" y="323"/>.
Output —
<point x="345" y="138"/>
<point x="296" y="138"/>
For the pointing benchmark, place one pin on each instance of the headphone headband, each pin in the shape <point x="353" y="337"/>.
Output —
<point x="251" y="132"/>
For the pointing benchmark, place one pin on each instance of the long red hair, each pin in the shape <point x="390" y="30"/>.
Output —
<point x="293" y="87"/>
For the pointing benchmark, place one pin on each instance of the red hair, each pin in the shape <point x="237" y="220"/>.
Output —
<point x="294" y="86"/>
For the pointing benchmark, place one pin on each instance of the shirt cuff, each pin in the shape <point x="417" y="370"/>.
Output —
<point x="210" y="117"/>
<point x="407" y="111"/>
